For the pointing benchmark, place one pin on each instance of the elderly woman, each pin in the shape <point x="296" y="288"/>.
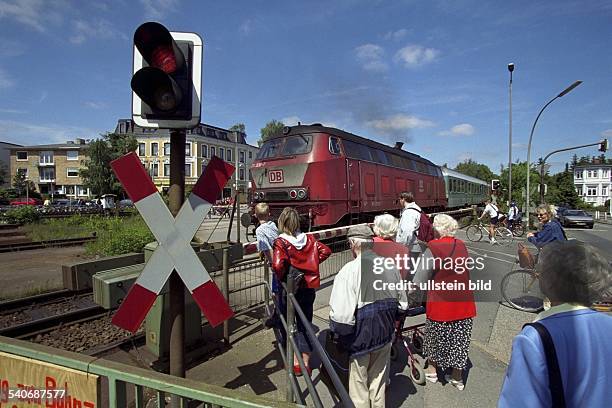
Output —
<point x="385" y="230"/>
<point x="551" y="229"/>
<point x="448" y="327"/>
<point x="574" y="276"/>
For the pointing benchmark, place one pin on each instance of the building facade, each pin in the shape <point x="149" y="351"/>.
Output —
<point x="592" y="183"/>
<point x="53" y="168"/>
<point x="5" y="162"/>
<point x="202" y="143"/>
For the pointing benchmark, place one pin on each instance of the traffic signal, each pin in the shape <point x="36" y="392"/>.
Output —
<point x="167" y="77"/>
<point x="603" y="146"/>
<point x="495" y="184"/>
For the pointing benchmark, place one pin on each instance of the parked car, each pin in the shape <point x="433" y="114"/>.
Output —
<point x="127" y="203"/>
<point x="576" y="218"/>
<point x="24" y="201"/>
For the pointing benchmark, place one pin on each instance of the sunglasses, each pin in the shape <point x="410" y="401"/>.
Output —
<point x="542" y="215"/>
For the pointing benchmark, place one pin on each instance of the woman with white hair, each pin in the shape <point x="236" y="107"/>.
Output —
<point x="563" y="359"/>
<point x="450" y="313"/>
<point x="385" y="230"/>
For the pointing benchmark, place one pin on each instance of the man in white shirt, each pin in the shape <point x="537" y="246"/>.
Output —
<point x="410" y="220"/>
<point x="513" y="213"/>
<point x="493" y="212"/>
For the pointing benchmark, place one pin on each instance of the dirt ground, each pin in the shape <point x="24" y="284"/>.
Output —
<point x="30" y="272"/>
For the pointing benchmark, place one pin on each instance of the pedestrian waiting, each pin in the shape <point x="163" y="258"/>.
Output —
<point x="363" y="319"/>
<point x="563" y="359"/>
<point x="266" y="233"/>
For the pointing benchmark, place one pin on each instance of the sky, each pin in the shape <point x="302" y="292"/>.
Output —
<point x="430" y="73"/>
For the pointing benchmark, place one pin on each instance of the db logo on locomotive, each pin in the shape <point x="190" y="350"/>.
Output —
<point x="275" y="176"/>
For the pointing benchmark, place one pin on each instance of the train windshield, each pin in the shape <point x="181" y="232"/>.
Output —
<point x="289" y="146"/>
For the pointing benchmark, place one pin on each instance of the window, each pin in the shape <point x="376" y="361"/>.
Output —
<point x="141" y="149"/>
<point x="359" y="151"/>
<point x="334" y="145"/>
<point x="187" y="149"/>
<point x="187" y="169"/>
<point x="591" y="190"/>
<point x="22" y="156"/>
<point x="241" y="174"/>
<point x="222" y="153"/>
<point x="210" y="132"/>
<point x="250" y="155"/>
<point x="81" y="191"/>
<point x="241" y="157"/>
<point x="46" y="157"/>
<point x="47" y="174"/>
<point x="604" y="173"/>
<point x="203" y="167"/>
<point x="604" y="191"/>
<point x="222" y="135"/>
<point x="154" y="149"/>
<point x="213" y="151"/>
<point x="579" y="190"/>
<point x="154" y="170"/>
<point x="204" y="150"/>
<point x="293" y="145"/>
<point x="72" y="172"/>
<point x="69" y="190"/>
<point x="166" y="169"/>
<point x="228" y="155"/>
<point x="270" y="149"/>
<point x="578" y="174"/>
<point x="72" y="155"/>
<point x="166" y="149"/>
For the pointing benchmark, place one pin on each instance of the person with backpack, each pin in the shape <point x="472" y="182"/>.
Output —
<point x="414" y="226"/>
<point x="293" y="254"/>
<point x="493" y="212"/>
<point x="551" y="229"/>
<point x="563" y="358"/>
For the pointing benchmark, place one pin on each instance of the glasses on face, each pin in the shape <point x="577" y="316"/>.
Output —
<point x="541" y="215"/>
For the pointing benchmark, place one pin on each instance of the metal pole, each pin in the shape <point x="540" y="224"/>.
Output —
<point x="290" y="330"/>
<point x="542" y="183"/>
<point x="237" y="216"/>
<point x="226" y="266"/>
<point x="176" y="196"/>
<point x="510" y="68"/>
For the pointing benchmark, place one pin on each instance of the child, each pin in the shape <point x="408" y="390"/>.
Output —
<point x="266" y="233"/>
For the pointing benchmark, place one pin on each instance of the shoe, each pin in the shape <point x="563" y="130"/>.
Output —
<point x="493" y="242"/>
<point x="297" y="370"/>
<point x="457" y="384"/>
<point x="431" y="377"/>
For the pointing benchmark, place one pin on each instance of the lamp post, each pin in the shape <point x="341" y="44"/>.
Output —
<point x="563" y="93"/>
<point x="510" y="68"/>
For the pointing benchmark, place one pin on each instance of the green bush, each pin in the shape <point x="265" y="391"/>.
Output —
<point x="23" y="214"/>
<point x="120" y="236"/>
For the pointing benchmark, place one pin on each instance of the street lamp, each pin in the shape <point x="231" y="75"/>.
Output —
<point x="510" y="68"/>
<point x="563" y="93"/>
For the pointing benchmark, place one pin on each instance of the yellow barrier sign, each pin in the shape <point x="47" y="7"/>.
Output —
<point x="25" y="382"/>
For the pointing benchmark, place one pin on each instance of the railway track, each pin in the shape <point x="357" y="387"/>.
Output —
<point x="24" y="246"/>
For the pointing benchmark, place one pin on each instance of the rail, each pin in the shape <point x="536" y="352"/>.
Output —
<point x="24" y="246"/>
<point x="117" y="377"/>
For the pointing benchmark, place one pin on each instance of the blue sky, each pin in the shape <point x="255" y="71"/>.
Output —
<point x="430" y="73"/>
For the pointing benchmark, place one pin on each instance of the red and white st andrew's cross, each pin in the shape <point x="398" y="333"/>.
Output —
<point x="174" y="235"/>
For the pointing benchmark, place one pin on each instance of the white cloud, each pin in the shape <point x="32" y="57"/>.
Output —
<point x="95" y="105"/>
<point x="396" y="35"/>
<point x="5" y="80"/>
<point x="607" y="133"/>
<point x="371" y="57"/>
<point x="157" y="9"/>
<point x="246" y="27"/>
<point x="36" y="14"/>
<point x="413" y="56"/>
<point x="99" y="29"/>
<point x="34" y="133"/>
<point x="12" y="111"/>
<point x="291" y="120"/>
<point x="399" y="122"/>
<point x="463" y="129"/>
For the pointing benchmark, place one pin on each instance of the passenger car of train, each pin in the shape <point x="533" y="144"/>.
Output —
<point x="463" y="190"/>
<point x="334" y="177"/>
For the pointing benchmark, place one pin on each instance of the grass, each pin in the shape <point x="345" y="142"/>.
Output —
<point x="38" y="289"/>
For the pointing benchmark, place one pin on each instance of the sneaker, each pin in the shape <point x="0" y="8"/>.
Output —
<point x="431" y="377"/>
<point x="455" y="383"/>
<point x="493" y="241"/>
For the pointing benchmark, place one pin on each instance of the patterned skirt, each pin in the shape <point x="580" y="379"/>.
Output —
<point x="448" y="343"/>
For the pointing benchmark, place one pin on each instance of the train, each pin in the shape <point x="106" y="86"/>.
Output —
<point x="332" y="177"/>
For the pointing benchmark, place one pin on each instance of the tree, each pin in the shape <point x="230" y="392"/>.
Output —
<point x="272" y="128"/>
<point x="561" y="190"/>
<point x="519" y="182"/>
<point x="238" y="127"/>
<point x="474" y="169"/>
<point x="574" y="161"/>
<point x="20" y="183"/>
<point x="97" y="173"/>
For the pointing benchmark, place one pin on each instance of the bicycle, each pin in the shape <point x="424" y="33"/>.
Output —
<point x="503" y="235"/>
<point x="521" y="288"/>
<point x="516" y="227"/>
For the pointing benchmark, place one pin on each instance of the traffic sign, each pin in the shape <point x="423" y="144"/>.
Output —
<point x="174" y="236"/>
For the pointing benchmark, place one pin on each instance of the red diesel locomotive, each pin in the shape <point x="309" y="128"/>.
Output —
<point x="332" y="177"/>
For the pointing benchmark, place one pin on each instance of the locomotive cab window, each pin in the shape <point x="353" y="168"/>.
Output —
<point x="270" y="149"/>
<point x="334" y="145"/>
<point x="298" y="144"/>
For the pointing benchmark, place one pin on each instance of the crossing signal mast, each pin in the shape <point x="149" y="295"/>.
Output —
<point x="167" y="78"/>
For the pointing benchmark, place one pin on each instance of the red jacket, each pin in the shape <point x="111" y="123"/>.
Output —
<point x="448" y="305"/>
<point x="388" y="248"/>
<point x="307" y="259"/>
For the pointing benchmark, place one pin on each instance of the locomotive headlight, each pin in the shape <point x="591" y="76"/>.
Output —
<point x="301" y="194"/>
<point x="293" y="194"/>
<point x="261" y="195"/>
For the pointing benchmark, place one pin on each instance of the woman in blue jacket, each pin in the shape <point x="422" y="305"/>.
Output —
<point x="551" y="229"/>
<point x="574" y="276"/>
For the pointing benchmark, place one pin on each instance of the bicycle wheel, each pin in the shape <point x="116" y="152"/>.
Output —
<point x="521" y="289"/>
<point x="518" y="230"/>
<point x="474" y="233"/>
<point x="503" y="236"/>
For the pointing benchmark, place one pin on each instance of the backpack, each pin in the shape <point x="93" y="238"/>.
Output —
<point x="425" y="230"/>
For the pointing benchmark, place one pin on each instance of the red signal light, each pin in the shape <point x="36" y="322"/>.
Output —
<point x="163" y="58"/>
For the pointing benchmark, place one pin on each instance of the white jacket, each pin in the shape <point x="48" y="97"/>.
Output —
<point x="408" y="226"/>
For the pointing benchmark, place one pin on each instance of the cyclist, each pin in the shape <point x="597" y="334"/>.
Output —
<point x="493" y="212"/>
<point x="551" y="229"/>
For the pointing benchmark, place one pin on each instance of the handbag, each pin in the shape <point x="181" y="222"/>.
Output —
<point x="526" y="258"/>
<point x="295" y="275"/>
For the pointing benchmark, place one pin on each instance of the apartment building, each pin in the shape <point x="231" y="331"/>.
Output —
<point x="5" y="161"/>
<point x="202" y="143"/>
<point x="592" y="182"/>
<point x="53" y="168"/>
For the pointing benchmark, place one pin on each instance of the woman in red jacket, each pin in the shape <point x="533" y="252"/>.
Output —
<point x="450" y="306"/>
<point x="305" y="253"/>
